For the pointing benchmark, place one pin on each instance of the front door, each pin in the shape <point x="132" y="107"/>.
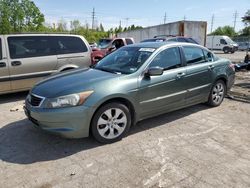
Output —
<point x="159" y="94"/>
<point x="4" y="69"/>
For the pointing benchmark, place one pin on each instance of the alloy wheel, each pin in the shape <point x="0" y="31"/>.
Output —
<point x="112" y="123"/>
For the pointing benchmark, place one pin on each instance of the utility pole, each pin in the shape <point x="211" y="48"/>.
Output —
<point x="120" y="24"/>
<point x="235" y="18"/>
<point x="126" y="21"/>
<point x="184" y="18"/>
<point x="93" y="18"/>
<point x="165" y="18"/>
<point x="212" y="23"/>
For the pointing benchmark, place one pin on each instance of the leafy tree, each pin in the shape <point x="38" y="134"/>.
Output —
<point x="101" y="27"/>
<point x="61" y="26"/>
<point x="75" y="25"/>
<point x="246" y="18"/>
<point x="226" y="30"/>
<point x="19" y="16"/>
<point x="245" y="31"/>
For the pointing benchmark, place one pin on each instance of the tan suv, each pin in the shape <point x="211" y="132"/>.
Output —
<point x="27" y="58"/>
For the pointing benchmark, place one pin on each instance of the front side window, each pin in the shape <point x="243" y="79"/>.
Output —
<point x="193" y="55"/>
<point x="118" y="43"/>
<point x="208" y="56"/>
<point x="30" y="46"/>
<point x="167" y="59"/>
<point x="68" y="45"/>
<point x="126" y="60"/>
<point x="1" y="54"/>
<point x="222" y="41"/>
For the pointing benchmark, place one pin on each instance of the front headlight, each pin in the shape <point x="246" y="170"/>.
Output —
<point x="67" y="100"/>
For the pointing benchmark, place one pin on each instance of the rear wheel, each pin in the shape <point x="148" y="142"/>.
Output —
<point x="110" y="123"/>
<point x="217" y="93"/>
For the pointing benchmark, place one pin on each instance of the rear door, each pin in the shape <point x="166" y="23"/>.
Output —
<point x="199" y="75"/>
<point x="72" y="52"/>
<point x="30" y="58"/>
<point x="4" y="68"/>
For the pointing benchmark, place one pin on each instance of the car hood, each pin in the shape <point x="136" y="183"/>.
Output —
<point x="72" y="82"/>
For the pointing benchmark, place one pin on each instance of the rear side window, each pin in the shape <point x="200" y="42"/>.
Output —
<point x="31" y="46"/>
<point x="181" y="40"/>
<point x="1" y="54"/>
<point x="129" y="41"/>
<point x="167" y="59"/>
<point x="172" y="39"/>
<point x="68" y="45"/>
<point x="193" y="55"/>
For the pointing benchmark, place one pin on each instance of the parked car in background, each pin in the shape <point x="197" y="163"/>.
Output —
<point x="93" y="45"/>
<point x="27" y="58"/>
<point x="162" y="38"/>
<point x="219" y="42"/>
<point x="106" y="46"/>
<point x="244" y="46"/>
<point x="131" y="84"/>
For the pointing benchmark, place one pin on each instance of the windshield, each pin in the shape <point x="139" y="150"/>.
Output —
<point x="126" y="60"/>
<point x="229" y="40"/>
<point x="104" y="43"/>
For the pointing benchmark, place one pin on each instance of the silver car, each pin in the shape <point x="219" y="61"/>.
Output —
<point x="27" y="58"/>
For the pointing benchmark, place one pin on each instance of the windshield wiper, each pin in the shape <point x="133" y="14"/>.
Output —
<point x="107" y="70"/>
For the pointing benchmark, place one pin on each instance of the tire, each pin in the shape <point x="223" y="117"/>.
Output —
<point x="226" y="50"/>
<point x="110" y="123"/>
<point x="217" y="93"/>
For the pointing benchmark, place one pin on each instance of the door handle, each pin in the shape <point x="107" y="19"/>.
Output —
<point x="2" y="64"/>
<point x="211" y="67"/>
<point x="179" y="75"/>
<point x="16" y="63"/>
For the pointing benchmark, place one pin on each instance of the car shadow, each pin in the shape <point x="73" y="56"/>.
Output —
<point x="13" y="97"/>
<point x="22" y="143"/>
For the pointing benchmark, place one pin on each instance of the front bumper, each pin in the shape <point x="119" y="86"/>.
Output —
<point x="72" y="122"/>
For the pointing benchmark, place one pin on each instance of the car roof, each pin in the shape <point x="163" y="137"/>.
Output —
<point x="160" y="44"/>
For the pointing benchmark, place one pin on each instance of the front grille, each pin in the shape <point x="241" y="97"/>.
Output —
<point x="35" y="100"/>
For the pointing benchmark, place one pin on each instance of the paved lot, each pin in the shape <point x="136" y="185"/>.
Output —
<point x="235" y="57"/>
<point x="195" y="147"/>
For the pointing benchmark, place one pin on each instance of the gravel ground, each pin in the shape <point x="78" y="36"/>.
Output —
<point x="194" y="147"/>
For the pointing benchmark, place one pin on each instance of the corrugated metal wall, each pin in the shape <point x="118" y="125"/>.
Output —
<point x="194" y="29"/>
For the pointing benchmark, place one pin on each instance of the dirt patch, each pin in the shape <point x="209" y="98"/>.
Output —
<point x="241" y="88"/>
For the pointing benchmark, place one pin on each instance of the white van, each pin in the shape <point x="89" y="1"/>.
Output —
<point x="27" y="58"/>
<point x="220" y="42"/>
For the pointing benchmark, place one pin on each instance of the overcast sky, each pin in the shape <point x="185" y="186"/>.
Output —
<point x="145" y="12"/>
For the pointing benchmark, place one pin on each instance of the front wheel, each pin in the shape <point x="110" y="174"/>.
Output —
<point x="111" y="122"/>
<point x="217" y="93"/>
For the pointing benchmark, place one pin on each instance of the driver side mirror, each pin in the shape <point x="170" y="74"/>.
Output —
<point x="154" y="71"/>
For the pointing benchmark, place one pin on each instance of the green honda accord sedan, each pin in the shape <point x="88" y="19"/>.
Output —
<point x="131" y="84"/>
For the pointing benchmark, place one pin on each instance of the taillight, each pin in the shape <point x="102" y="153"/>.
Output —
<point x="232" y="66"/>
